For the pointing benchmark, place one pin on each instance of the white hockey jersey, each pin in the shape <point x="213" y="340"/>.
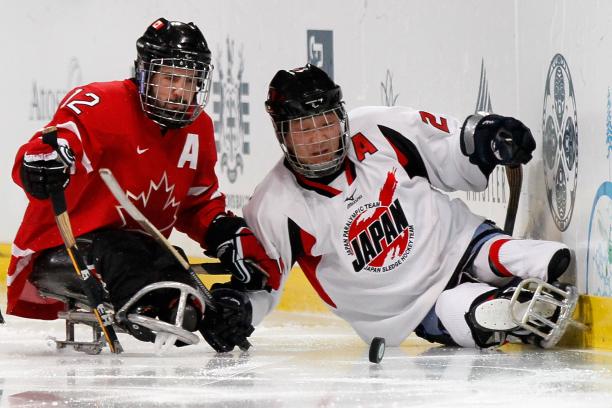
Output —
<point x="380" y="242"/>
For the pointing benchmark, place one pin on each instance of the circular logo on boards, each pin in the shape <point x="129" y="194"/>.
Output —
<point x="560" y="142"/>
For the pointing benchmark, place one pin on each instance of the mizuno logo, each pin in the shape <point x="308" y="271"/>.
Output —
<point x="352" y="200"/>
<point x="141" y="151"/>
<point x="351" y="197"/>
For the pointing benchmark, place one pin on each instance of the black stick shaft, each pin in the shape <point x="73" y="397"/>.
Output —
<point x="515" y="181"/>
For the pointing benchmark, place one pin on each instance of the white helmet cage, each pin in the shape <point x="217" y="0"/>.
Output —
<point x="173" y="91"/>
<point x="316" y="145"/>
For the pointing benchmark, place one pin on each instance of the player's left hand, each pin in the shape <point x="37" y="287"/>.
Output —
<point x="229" y="239"/>
<point x="503" y="140"/>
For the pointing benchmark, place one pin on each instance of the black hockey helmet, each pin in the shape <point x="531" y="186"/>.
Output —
<point x="302" y="92"/>
<point x="296" y="98"/>
<point x="173" y="39"/>
<point x="179" y="52"/>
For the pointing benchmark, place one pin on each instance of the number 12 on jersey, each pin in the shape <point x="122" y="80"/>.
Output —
<point x="89" y="99"/>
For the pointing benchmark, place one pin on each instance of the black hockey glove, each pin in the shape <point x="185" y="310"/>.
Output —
<point x="229" y="239"/>
<point x="230" y="325"/>
<point x="43" y="171"/>
<point x="494" y="139"/>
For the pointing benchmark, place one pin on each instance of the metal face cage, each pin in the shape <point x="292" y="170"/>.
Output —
<point x="174" y="91"/>
<point x="316" y="145"/>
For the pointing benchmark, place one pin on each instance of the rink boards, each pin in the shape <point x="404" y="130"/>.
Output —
<point x="548" y="63"/>
<point x="300" y="297"/>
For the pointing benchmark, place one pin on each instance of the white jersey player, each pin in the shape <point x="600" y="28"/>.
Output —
<point x="363" y="213"/>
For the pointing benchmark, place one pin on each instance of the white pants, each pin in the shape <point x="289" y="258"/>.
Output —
<point x="498" y="261"/>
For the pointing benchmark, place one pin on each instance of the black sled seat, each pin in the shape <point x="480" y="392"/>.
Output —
<point x="54" y="277"/>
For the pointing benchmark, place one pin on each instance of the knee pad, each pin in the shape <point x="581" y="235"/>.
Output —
<point x="452" y="306"/>
<point x="489" y="318"/>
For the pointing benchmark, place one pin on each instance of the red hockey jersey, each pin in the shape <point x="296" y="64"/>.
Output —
<point x="169" y="176"/>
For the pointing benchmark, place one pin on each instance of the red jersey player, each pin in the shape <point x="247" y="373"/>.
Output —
<point x="152" y="132"/>
<point x="361" y="208"/>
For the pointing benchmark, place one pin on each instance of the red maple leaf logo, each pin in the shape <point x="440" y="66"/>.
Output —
<point x="158" y="204"/>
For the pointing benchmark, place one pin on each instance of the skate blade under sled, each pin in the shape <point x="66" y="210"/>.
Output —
<point x="536" y="307"/>
<point x="166" y="334"/>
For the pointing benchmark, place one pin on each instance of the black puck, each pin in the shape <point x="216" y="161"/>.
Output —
<point x="377" y="350"/>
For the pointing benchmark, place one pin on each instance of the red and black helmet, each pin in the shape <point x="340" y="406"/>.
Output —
<point x="178" y="51"/>
<point x="173" y="39"/>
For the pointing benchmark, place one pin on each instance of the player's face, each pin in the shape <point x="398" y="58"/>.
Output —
<point x="315" y="139"/>
<point x="174" y="88"/>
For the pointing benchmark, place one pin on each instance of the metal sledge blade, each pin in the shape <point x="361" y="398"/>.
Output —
<point x="536" y="317"/>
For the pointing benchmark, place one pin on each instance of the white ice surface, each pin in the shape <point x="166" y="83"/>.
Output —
<point x="297" y="361"/>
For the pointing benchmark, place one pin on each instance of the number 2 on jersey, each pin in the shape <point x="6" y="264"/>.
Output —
<point x="92" y="100"/>
<point x="433" y="121"/>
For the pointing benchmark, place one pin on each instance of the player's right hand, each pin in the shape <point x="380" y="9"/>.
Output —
<point x="45" y="171"/>
<point x="233" y="242"/>
<point x="230" y="324"/>
<point x="504" y="140"/>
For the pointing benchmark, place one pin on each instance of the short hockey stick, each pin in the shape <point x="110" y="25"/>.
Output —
<point x="116" y="190"/>
<point x="90" y="285"/>
<point x="514" y="175"/>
